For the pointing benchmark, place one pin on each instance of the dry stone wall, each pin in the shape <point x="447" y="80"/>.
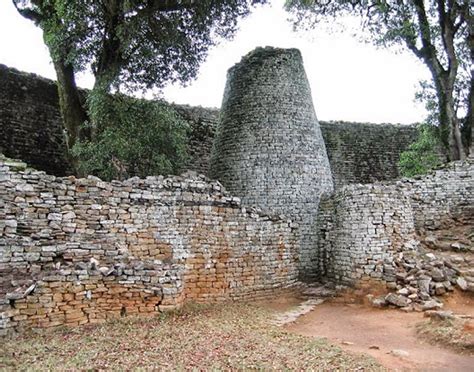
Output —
<point x="363" y="228"/>
<point x="202" y="122"/>
<point x="30" y="121"/>
<point x="268" y="147"/>
<point x="366" y="153"/>
<point x="75" y="251"/>
<point x="31" y="130"/>
<point x="360" y="230"/>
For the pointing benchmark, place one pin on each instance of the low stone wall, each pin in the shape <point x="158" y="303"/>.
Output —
<point x="362" y="228"/>
<point x="443" y="198"/>
<point x="77" y="251"/>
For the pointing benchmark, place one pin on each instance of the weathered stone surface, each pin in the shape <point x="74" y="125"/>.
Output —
<point x="397" y="300"/>
<point x="30" y="121"/>
<point x="30" y="118"/>
<point x="365" y="153"/>
<point x="138" y="246"/>
<point x="440" y="315"/>
<point x="431" y="304"/>
<point x="268" y="148"/>
<point x="371" y="231"/>
<point x="461" y="282"/>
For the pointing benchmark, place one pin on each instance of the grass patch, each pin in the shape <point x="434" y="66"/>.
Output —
<point x="455" y="333"/>
<point x="231" y="336"/>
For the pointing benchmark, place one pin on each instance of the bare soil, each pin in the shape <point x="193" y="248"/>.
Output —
<point x="388" y="335"/>
<point x="227" y="337"/>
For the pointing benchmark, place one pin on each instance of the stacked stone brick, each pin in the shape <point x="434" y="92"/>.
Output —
<point x="30" y="121"/>
<point x="32" y="131"/>
<point x="373" y="231"/>
<point x="268" y="148"/>
<point x="360" y="229"/>
<point x="202" y="122"/>
<point x="365" y="153"/>
<point x="77" y="251"/>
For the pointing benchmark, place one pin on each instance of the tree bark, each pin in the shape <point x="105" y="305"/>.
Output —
<point x="449" y="123"/>
<point x="72" y="109"/>
<point x="470" y="119"/>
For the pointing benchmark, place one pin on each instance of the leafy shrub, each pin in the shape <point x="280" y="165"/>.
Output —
<point x="422" y="155"/>
<point x="131" y="137"/>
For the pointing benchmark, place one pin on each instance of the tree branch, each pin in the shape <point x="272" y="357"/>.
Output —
<point x="428" y="51"/>
<point x="447" y="35"/>
<point x="28" y="13"/>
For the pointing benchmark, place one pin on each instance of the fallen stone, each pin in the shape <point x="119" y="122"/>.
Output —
<point x="424" y="285"/>
<point x="403" y="291"/>
<point x="461" y="282"/>
<point x="378" y="302"/>
<point x="458" y="246"/>
<point x="430" y="256"/>
<point x="397" y="300"/>
<point x="430" y="241"/>
<point x="431" y="304"/>
<point x="399" y="353"/>
<point x="441" y="315"/>
<point x="392" y="285"/>
<point x="440" y="289"/>
<point x="437" y="274"/>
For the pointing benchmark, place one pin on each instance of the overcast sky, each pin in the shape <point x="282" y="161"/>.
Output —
<point x="349" y="80"/>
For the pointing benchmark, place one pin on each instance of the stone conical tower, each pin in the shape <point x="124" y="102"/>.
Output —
<point x="268" y="148"/>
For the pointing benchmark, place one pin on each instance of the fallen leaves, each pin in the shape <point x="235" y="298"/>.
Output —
<point x="228" y="336"/>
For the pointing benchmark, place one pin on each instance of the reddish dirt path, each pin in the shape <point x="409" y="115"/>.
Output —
<point x="357" y="328"/>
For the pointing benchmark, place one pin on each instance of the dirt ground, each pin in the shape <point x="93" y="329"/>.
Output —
<point x="388" y="335"/>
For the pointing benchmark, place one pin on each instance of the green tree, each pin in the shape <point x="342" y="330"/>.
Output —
<point x="423" y="155"/>
<point x="438" y="32"/>
<point x="127" y="44"/>
<point x="135" y="137"/>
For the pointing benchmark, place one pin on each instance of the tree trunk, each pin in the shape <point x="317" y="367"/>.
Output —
<point x="448" y="122"/>
<point x="72" y="110"/>
<point x="470" y="119"/>
<point x="450" y="129"/>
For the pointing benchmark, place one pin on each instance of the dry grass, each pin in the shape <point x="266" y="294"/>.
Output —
<point x="456" y="333"/>
<point x="221" y="337"/>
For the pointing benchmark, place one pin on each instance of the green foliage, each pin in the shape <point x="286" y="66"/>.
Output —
<point x="128" y="45"/>
<point x="136" y="43"/>
<point x="438" y="33"/>
<point x="132" y="138"/>
<point x="423" y="155"/>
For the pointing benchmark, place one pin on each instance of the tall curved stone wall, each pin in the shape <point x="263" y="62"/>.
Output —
<point x="268" y="147"/>
<point x="364" y="152"/>
<point x="31" y="131"/>
<point x="30" y="121"/>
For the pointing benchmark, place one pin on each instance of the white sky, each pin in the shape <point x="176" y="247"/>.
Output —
<point x="349" y="80"/>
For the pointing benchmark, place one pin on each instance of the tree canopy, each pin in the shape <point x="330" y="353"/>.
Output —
<point x="135" y="43"/>
<point x="438" y="32"/>
<point x="127" y="44"/>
